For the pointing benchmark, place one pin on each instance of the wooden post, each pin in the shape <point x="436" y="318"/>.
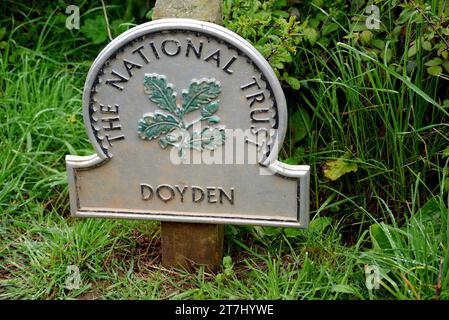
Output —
<point x="185" y="245"/>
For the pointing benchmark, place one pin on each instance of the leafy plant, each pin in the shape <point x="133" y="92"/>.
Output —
<point x="201" y="95"/>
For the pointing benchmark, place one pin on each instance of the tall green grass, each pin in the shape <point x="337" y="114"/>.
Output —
<point x="390" y="119"/>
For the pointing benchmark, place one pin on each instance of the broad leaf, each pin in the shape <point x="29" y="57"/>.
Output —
<point x="336" y="168"/>
<point x="153" y="125"/>
<point x="160" y="92"/>
<point x="434" y="62"/>
<point x="318" y="225"/>
<point x="435" y="70"/>
<point x="378" y="237"/>
<point x="200" y="93"/>
<point x="299" y="125"/>
<point x="293" y="82"/>
<point x="95" y="29"/>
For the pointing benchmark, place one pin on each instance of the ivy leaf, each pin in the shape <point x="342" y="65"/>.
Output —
<point x="435" y="70"/>
<point x="152" y="126"/>
<point x="434" y="62"/>
<point x="210" y="109"/>
<point x="160" y="92"/>
<point x="199" y="94"/>
<point x="95" y="29"/>
<point x="333" y="170"/>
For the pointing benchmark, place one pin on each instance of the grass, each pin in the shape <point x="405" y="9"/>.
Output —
<point x="391" y="214"/>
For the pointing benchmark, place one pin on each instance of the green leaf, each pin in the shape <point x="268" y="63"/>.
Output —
<point x="299" y="124"/>
<point x="435" y="70"/>
<point x="412" y="51"/>
<point x="445" y="65"/>
<point x="160" y="92"/>
<point x="227" y="262"/>
<point x="426" y="45"/>
<point x="2" y="33"/>
<point x="119" y="26"/>
<point x="210" y="109"/>
<point x="343" y="288"/>
<point x="312" y="35"/>
<point x="334" y="169"/>
<point x="379" y="44"/>
<point x="366" y="36"/>
<point x="318" y="225"/>
<point x="293" y="232"/>
<point x="430" y="212"/>
<point x="358" y="26"/>
<point x="378" y="237"/>
<point x="200" y="93"/>
<point x="153" y="125"/>
<point x="293" y="82"/>
<point x="446" y="152"/>
<point x="328" y="28"/>
<point x="434" y="62"/>
<point x="95" y="29"/>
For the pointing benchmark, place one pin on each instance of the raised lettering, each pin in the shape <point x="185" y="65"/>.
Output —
<point x="181" y="192"/>
<point x="112" y="123"/>
<point x="146" y="191"/>
<point x="113" y="82"/>
<point x="166" y="187"/>
<point x="214" y="56"/>
<point x="153" y="47"/>
<point x="228" y="64"/>
<point x="129" y="65"/>
<point x="139" y="51"/>
<point x="194" y="194"/>
<point x="258" y="96"/>
<point x="224" y="195"/>
<point x="196" y="51"/>
<point x="211" y="196"/>
<point x="168" y="53"/>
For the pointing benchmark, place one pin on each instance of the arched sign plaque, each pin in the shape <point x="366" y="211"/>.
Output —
<point x="186" y="119"/>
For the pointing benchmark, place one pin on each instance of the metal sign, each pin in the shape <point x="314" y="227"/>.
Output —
<point x="186" y="119"/>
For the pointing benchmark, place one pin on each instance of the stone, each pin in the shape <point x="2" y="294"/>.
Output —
<point x="204" y="10"/>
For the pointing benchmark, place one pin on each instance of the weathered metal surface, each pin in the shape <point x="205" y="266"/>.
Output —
<point x="144" y="97"/>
